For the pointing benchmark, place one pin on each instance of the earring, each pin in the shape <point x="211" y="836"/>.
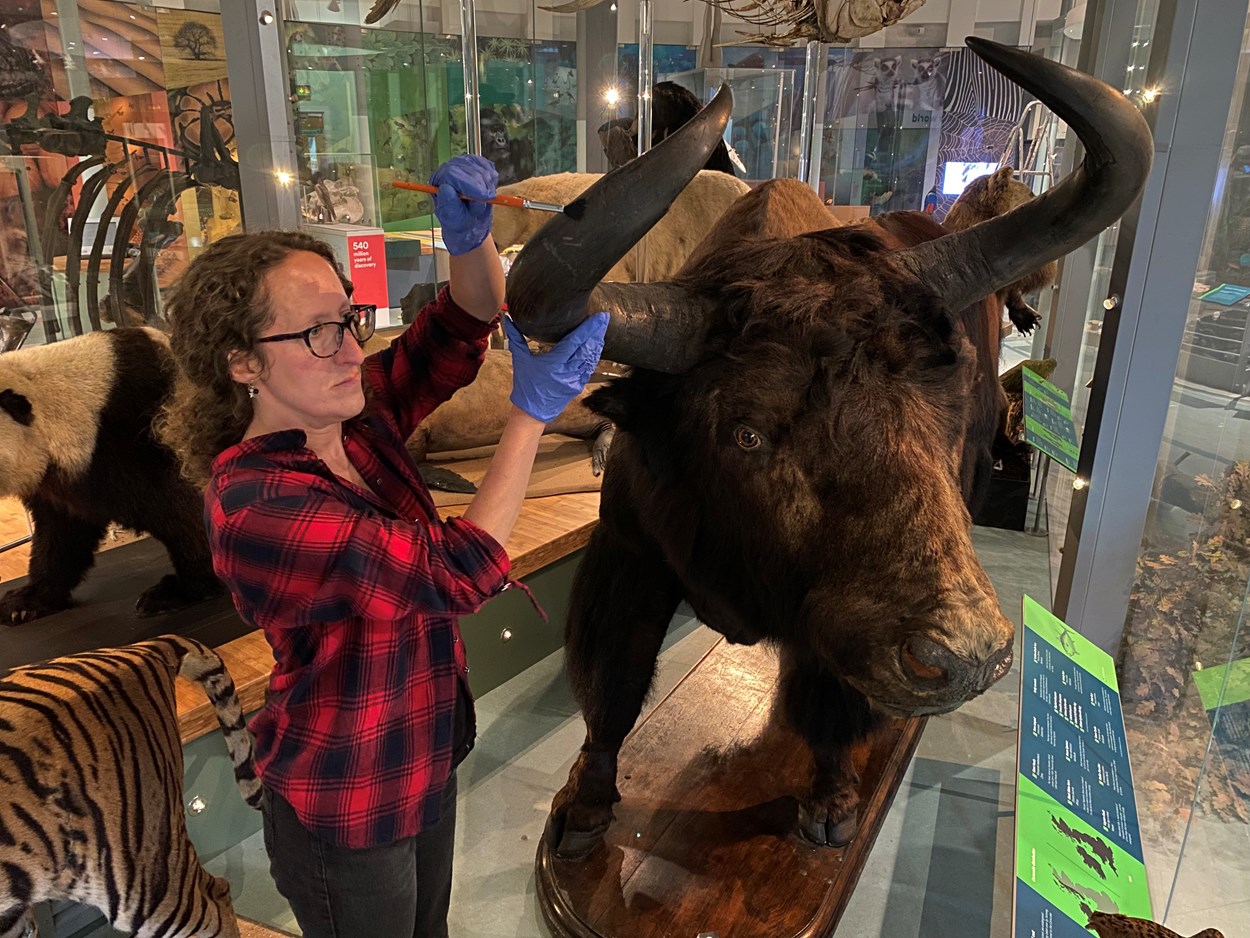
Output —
<point x="252" y="391"/>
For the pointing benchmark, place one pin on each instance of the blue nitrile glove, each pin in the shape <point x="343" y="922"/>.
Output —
<point x="465" y="224"/>
<point x="543" y="385"/>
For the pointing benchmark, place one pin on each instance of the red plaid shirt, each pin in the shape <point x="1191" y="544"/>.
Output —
<point x="358" y="594"/>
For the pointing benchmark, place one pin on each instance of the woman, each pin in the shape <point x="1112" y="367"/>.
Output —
<point x="330" y="543"/>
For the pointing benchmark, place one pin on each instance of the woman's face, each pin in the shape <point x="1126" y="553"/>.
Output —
<point x="296" y="389"/>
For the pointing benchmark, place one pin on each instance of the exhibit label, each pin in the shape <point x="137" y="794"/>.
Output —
<point x="366" y="267"/>
<point x="362" y="252"/>
<point x="1078" y="847"/>
<point x="1226" y="294"/>
<point x="1225" y="693"/>
<point x="1048" y="421"/>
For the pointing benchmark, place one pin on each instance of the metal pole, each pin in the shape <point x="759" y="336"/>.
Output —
<point x="645" y="52"/>
<point x="256" y="61"/>
<point x="472" y="102"/>
<point x="1041" y="495"/>
<point x="811" y="80"/>
<point x="73" y="48"/>
<point x="644" y="76"/>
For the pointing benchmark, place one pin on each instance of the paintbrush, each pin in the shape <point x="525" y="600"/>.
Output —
<point x="573" y="210"/>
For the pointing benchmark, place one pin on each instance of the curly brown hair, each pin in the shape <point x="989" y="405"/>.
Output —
<point x="217" y="307"/>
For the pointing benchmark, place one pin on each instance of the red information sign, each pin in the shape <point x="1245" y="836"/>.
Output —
<point x="362" y="252"/>
<point x="366" y="268"/>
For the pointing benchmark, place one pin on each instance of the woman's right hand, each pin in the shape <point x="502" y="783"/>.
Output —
<point x="543" y="385"/>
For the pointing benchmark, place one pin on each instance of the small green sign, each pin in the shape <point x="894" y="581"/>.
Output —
<point x="1048" y="423"/>
<point x="1225" y="685"/>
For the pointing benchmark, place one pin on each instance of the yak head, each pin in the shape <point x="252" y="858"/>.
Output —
<point x="793" y="434"/>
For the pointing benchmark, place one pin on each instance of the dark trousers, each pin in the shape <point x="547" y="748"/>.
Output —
<point x="394" y="890"/>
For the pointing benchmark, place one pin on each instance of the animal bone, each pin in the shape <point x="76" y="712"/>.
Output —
<point x="823" y="20"/>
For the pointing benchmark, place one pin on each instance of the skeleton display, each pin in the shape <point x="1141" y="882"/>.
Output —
<point x="795" y="442"/>
<point x="823" y="20"/>
<point x="149" y="179"/>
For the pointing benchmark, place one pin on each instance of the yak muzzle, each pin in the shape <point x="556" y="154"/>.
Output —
<point x="947" y="677"/>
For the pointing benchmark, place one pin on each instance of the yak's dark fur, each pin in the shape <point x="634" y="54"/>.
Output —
<point x="816" y="500"/>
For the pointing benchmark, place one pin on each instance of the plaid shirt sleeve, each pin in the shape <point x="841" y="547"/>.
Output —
<point x="296" y="555"/>
<point x="436" y="356"/>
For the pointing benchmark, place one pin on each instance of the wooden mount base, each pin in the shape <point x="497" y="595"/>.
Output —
<point x="703" y="841"/>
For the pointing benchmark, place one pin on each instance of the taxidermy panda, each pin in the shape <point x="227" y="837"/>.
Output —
<point x="77" y="447"/>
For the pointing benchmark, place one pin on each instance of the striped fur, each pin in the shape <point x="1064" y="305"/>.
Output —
<point x="91" y="789"/>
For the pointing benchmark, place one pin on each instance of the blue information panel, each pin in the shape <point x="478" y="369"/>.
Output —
<point x="1226" y="294"/>
<point x="1078" y="848"/>
<point x="1048" y="421"/>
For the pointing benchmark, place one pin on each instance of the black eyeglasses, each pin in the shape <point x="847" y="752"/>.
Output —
<point x="326" y="338"/>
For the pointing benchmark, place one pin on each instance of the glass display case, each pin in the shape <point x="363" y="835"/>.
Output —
<point x="1134" y="84"/>
<point x="1185" y="658"/>
<point x="118" y="160"/>
<point x="375" y="106"/>
<point x="759" y="130"/>
<point x="896" y="138"/>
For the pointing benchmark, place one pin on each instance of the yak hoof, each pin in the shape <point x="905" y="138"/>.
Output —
<point x="816" y="827"/>
<point x="572" y="844"/>
<point x="171" y="594"/>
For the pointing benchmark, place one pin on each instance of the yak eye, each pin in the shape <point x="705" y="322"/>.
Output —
<point x="747" y="438"/>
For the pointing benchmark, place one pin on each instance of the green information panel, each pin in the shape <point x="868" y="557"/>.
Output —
<point x="1078" y="848"/>
<point x="1227" y="684"/>
<point x="1048" y="420"/>
<point x="1225" y="692"/>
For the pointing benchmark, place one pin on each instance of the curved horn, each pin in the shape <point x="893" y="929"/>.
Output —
<point x="972" y="264"/>
<point x="554" y="282"/>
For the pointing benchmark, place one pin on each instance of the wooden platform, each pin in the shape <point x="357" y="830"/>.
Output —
<point x="250" y="929"/>
<point x="105" y="612"/>
<point x="547" y="530"/>
<point x="703" y="842"/>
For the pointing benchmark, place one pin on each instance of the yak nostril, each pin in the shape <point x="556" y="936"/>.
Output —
<point x="926" y="659"/>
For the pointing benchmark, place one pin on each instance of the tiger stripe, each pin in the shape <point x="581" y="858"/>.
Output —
<point x="91" y="789"/>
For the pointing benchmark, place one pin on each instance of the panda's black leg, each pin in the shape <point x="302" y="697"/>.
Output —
<point x="62" y="551"/>
<point x="180" y="527"/>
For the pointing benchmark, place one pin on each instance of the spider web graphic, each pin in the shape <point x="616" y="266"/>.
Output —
<point x="979" y="109"/>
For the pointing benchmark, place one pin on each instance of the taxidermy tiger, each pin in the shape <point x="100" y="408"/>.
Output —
<point x="91" y="789"/>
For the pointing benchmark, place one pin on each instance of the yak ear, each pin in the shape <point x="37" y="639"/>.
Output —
<point x="616" y="401"/>
<point x="17" y="406"/>
<point x="635" y="400"/>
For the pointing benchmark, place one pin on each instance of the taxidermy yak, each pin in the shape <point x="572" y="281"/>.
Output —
<point x="793" y="443"/>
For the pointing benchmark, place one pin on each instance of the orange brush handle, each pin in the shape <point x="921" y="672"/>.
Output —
<point x="512" y="201"/>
